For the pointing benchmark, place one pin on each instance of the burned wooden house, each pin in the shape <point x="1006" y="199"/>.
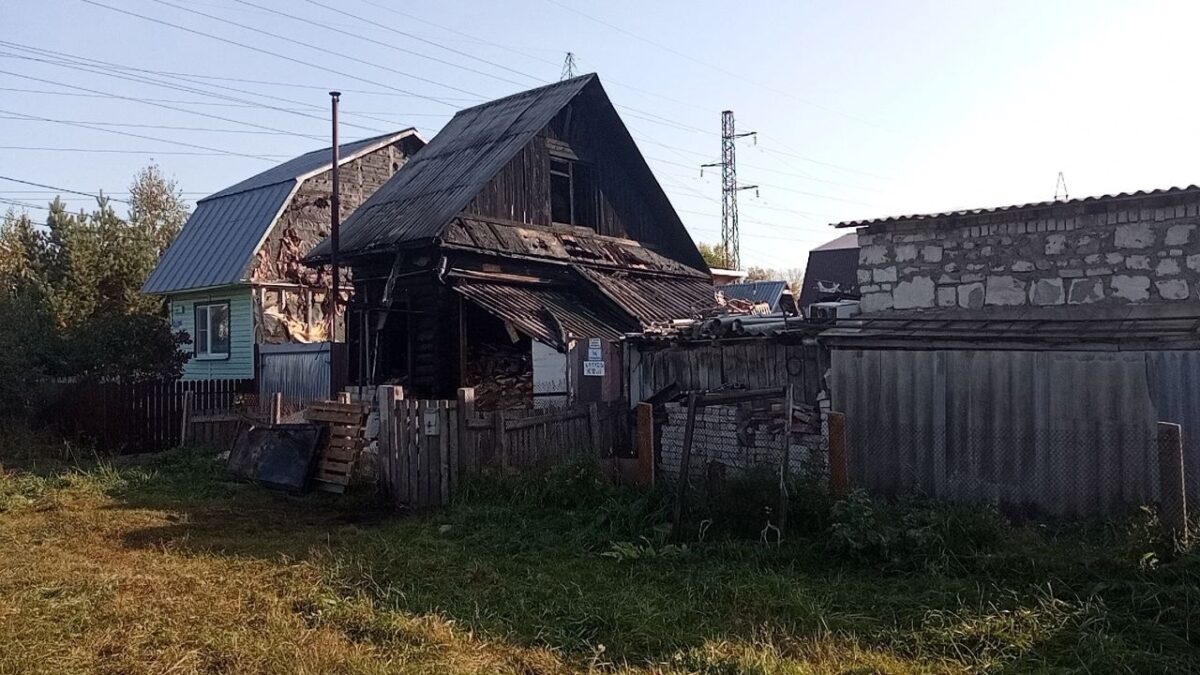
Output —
<point x="513" y="251"/>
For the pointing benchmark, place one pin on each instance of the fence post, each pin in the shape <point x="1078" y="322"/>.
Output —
<point x="785" y="465"/>
<point x="839" y="473"/>
<point x="594" y="427"/>
<point x="684" y="461"/>
<point x="645" y="443"/>
<point x="276" y="408"/>
<point x="466" y="413"/>
<point x="388" y="395"/>
<point x="1172" y="494"/>
<point x="501" y="442"/>
<point x="185" y="432"/>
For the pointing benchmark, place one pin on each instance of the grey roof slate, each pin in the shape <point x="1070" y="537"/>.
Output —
<point x="442" y="179"/>
<point x="218" y="242"/>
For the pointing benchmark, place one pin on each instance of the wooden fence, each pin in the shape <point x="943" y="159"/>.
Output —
<point x="134" y="416"/>
<point x="426" y="447"/>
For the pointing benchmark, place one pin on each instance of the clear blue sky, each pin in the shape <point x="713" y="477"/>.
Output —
<point x="862" y="108"/>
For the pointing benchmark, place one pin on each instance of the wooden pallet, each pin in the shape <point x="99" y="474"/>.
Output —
<point x="347" y="424"/>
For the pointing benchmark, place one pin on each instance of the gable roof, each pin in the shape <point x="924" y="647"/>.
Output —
<point x="219" y="240"/>
<point x="420" y="202"/>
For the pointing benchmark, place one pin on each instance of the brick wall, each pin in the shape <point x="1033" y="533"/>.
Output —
<point x="1119" y="252"/>
<point x="729" y="440"/>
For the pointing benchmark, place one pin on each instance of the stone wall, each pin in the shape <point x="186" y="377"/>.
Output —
<point x="1117" y="251"/>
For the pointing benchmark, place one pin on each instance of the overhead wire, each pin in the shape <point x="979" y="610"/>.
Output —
<point x="59" y="189"/>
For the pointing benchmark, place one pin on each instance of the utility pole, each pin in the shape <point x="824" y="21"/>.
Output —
<point x="730" y="238"/>
<point x="568" y="69"/>
<point x="335" y="207"/>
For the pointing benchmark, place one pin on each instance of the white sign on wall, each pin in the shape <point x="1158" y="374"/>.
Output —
<point x="593" y="368"/>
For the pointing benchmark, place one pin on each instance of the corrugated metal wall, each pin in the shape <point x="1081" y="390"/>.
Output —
<point x="299" y="371"/>
<point x="753" y="363"/>
<point x="1175" y="391"/>
<point x="1068" y="433"/>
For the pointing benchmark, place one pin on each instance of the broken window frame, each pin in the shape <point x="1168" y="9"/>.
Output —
<point x="574" y="172"/>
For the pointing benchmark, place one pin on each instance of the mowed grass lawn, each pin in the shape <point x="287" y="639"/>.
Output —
<point x="167" y="566"/>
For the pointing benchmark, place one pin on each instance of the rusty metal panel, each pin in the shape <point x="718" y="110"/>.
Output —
<point x="298" y="371"/>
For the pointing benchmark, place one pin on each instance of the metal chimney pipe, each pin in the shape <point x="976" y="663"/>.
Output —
<point x="335" y="209"/>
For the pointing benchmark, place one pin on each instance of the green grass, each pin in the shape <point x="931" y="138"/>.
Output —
<point x="167" y="566"/>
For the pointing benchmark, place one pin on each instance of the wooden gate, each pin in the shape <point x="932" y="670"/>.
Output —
<point x="426" y="447"/>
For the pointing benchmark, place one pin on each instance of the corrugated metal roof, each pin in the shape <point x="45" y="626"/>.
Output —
<point x="535" y="309"/>
<point x="1140" y="194"/>
<point x="443" y="178"/>
<point x="758" y="292"/>
<point x="218" y="242"/>
<point x="653" y="298"/>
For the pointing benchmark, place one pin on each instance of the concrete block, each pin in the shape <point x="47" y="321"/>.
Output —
<point x="947" y="296"/>
<point x="1193" y="262"/>
<point x="971" y="296"/>
<point x="1114" y="258"/>
<point x="1047" y="292"/>
<point x="931" y="254"/>
<point x="1098" y="271"/>
<point x="872" y="255"/>
<point x="1005" y="290"/>
<point x="1131" y="288"/>
<point x="1022" y="266"/>
<point x="1056" y="244"/>
<point x="1178" y="235"/>
<point x="864" y="276"/>
<point x="914" y="294"/>
<point x="1133" y="235"/>
<point x="1085" y="291"/>
<point x="1137" y="262"/>
<point x="905" y="252"/>
<point x="1172" y="289"/>
<point x="876" y="302"/>
<point x="1167" y="267"/>
<point x="884" y="274"/>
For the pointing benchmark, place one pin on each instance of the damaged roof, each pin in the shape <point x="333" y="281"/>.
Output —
<point x="442" y="179"/>
<point x="1167" y="193"/>
<point x="217" y="243"/>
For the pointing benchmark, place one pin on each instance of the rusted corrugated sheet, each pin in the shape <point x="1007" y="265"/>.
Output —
<point x="653" y="298"/>
<point x="1065" y="432"/>
<point x="298" y="371"/>
<point x="538" y="310"/>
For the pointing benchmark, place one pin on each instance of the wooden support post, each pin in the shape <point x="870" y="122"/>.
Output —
<point x="276" y="414"/>
<point x="388" y="443"/>
<point x="185" y="431"/>
<point x="594" y="428"/>
<point x="785" y="465"/>
<point x="684" y="462"/>
<point x="1172" y="490"/>
<point x="500" y="442"/>
<point x="839" y="473"/>
<point x="645" y="443"/>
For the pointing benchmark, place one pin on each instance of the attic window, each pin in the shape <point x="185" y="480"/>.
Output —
<point x="573" y="193"/>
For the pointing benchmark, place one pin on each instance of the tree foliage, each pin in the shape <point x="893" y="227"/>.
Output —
<point x="713" y="254"/>
<point x="70" y="291"/>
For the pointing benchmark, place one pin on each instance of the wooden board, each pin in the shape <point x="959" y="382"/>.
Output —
<point x="347" y="427"/>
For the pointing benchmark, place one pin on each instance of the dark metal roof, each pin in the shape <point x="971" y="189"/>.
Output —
<point x="1140" y="194"/>
<point x="653" y="298"/>
<point x="832" y="269"/>
<point x="545" y="311"/>
<point x="442" y="179"/>
<point x="1139" y="325"/>
<point x="758" y="292"/>
<point x="219" y="240"/>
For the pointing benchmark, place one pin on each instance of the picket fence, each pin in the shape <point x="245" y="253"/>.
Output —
<point x="426" y="447"/>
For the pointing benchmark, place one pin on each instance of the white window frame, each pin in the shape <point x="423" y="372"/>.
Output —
<point x="205" y="309"/>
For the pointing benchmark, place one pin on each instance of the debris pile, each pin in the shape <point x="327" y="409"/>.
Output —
<point x="501" y="374"/>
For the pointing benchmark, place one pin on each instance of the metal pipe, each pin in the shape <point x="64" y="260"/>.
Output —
<point x="335" y="205"/>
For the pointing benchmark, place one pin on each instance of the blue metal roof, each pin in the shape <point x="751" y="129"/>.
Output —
<point x="219" y="240"/>
<point x="757" y="292"/>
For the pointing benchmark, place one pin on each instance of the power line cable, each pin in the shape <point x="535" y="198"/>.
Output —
<point x="125" y="151"/>
<point x="141" y="136"/>
<point x="59" y="189"/>
<point x="264" y="51"/>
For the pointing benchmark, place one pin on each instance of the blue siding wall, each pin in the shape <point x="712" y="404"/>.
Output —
<point x="240" y="364"/>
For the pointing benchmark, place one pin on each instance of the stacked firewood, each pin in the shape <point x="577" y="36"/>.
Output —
<point x="502" y="376"/>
